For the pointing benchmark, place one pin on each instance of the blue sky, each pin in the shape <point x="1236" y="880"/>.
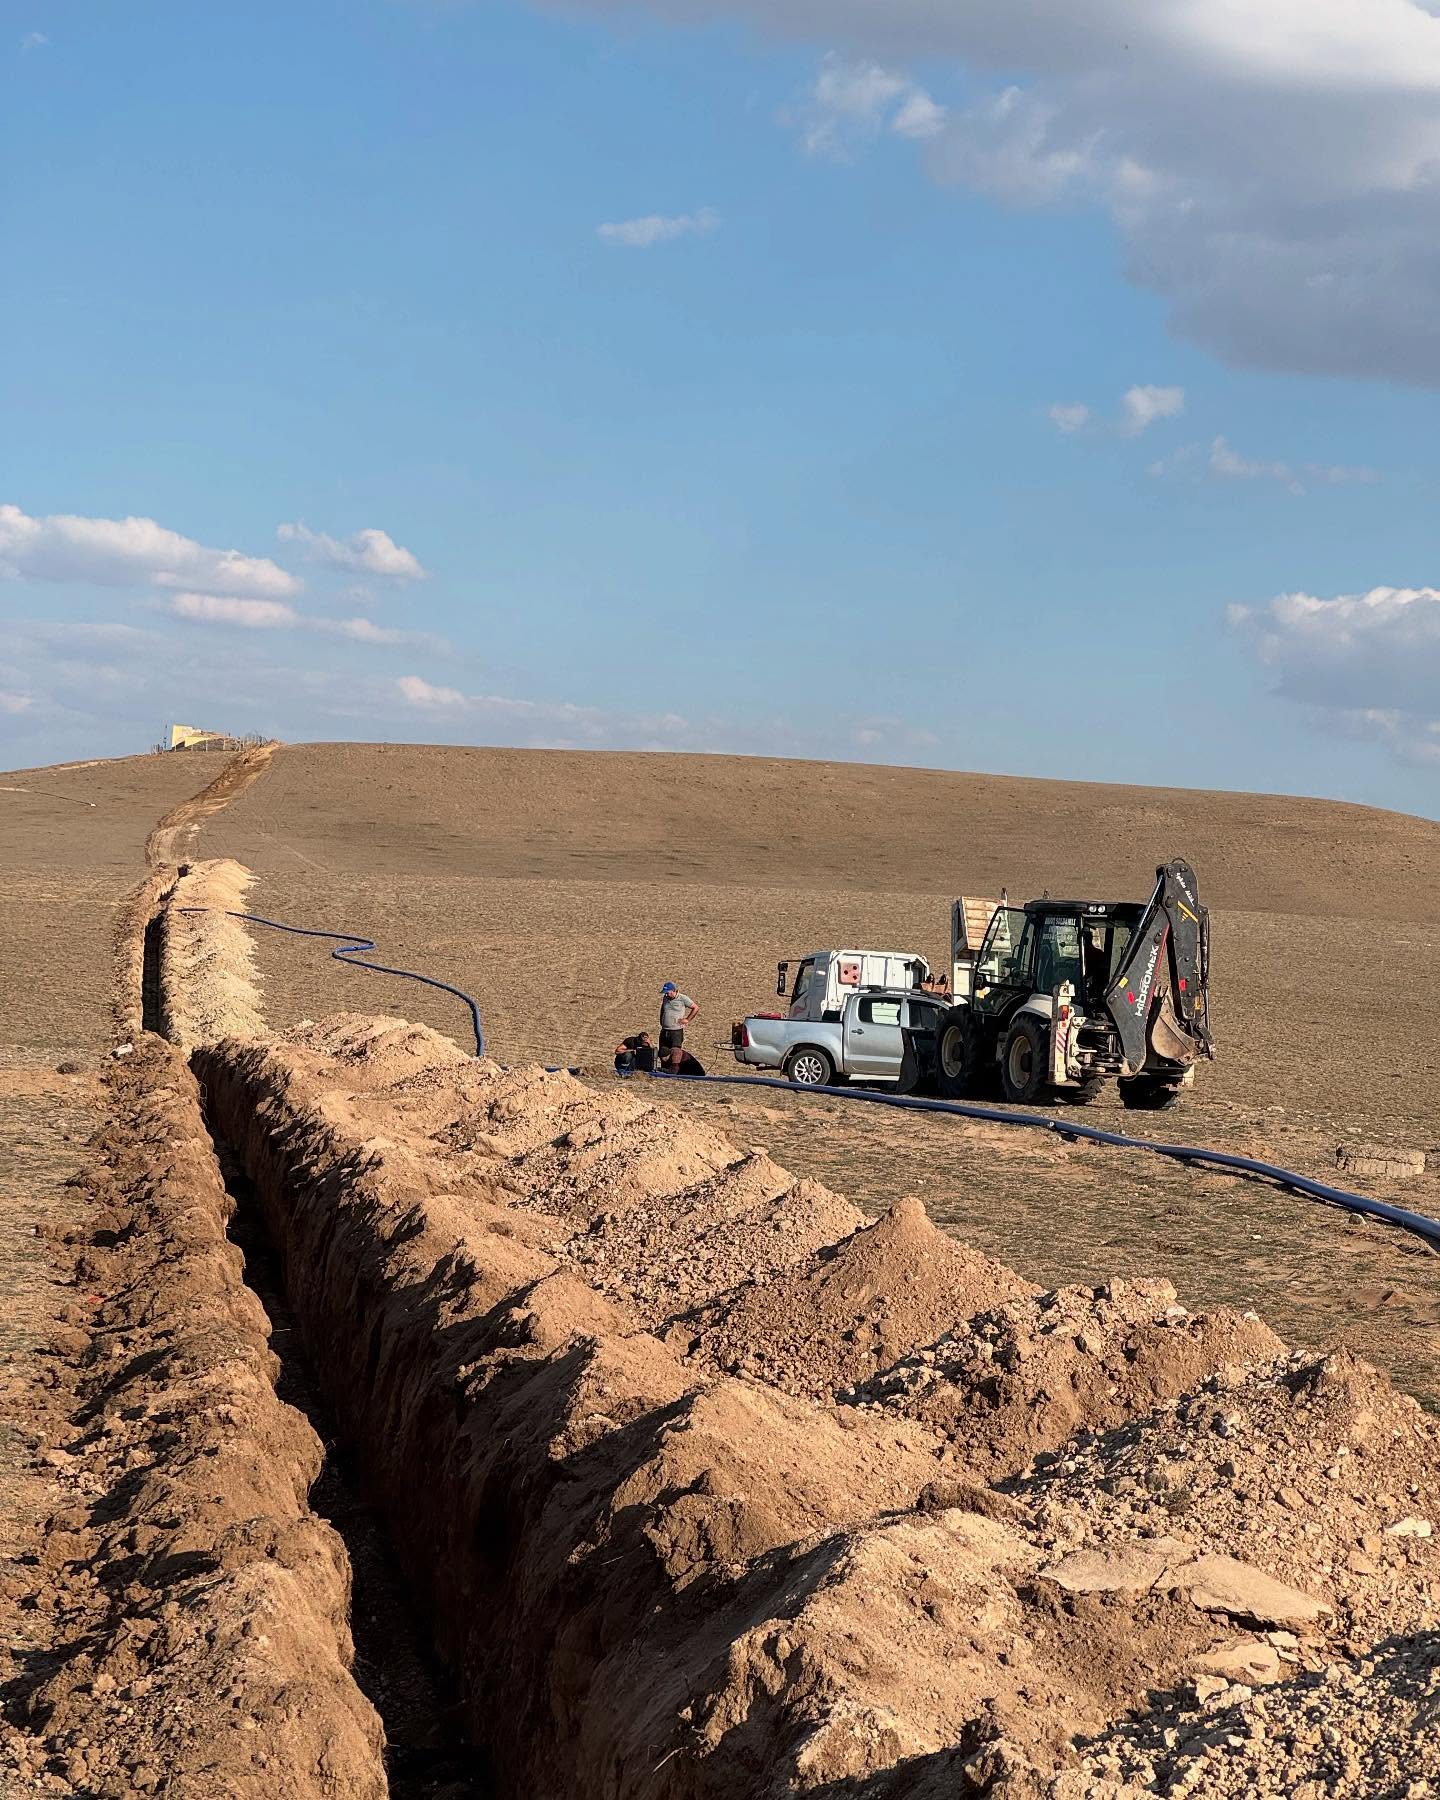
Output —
<point x="771" y="465"/>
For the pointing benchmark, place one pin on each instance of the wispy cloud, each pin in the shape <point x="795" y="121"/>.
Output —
<point x="1142" y="407"/>
<point x="1069" y="419"/>
<point x="225" y="609"/>
<point x="276" y="615"/>
<point x="129" y="553"/>
<point x="33" y="40"/>
<point x="13" y="703"/>
<point x="368" y="552"/>
<point x="658" y="228"/>
<point x="419" y="692"/>
<point x="1222" y="461"/>
<point x="1367" y="664"/>
<point x="850" y="104"/>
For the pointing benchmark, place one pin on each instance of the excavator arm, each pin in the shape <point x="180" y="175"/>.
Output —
<point x="1160" y="995"/>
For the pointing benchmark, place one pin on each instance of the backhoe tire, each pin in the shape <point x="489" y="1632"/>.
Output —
<point x="1081" y="1095"/>
<point x="808" y="1066"/>
<point x="1143" y="1093"/>
<point x="952" y="1055"/>
<point x="1024" y="1060"/>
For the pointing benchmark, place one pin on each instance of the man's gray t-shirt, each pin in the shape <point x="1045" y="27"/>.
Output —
<point x="673" y="1010"/>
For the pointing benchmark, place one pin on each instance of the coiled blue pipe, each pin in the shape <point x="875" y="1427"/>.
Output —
<point x="352" y="945"/>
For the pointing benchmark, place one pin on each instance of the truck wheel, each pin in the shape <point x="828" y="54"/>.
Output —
<point x="952" y="1055"/>
<point x="1022" y="1063"/>
<point x="1143" y="1093"/>
<point x="809" y="1067"/>
<point x="1081" y="1095"/>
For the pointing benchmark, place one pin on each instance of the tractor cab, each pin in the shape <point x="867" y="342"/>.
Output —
<point x="1036" y="948"/>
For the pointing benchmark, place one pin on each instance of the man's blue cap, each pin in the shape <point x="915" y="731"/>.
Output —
<point x="669" y="988"/>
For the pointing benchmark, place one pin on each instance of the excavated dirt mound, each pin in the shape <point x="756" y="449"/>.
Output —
<point x="944" y="1534"/>
<point x="1024" y="1378"/>
<point x="197" y="1609"/>
<point x="209" y="987"/>
<point x="853" y="1307"/>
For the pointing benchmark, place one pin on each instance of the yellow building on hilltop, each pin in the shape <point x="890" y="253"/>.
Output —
<point x="194" y="737"/>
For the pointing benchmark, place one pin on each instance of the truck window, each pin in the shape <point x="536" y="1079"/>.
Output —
<point x="800" y="993"/>
<point x="879" y="1012"/>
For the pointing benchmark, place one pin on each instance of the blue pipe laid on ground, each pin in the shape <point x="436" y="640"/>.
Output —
<point x="352" y="945"/>
<point x="1427" y="1228"/>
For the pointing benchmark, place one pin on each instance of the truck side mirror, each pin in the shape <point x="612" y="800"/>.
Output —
<point x="782" y="971"/>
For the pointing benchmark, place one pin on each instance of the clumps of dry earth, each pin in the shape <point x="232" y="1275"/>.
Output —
<point x="195" y="1610"/>
<point x="710" y="1488"/>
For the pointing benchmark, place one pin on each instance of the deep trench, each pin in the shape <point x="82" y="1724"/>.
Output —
<point x="426" y="1754"/>
<point x="152" y="1009"/>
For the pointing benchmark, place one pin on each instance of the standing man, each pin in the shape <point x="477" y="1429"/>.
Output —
<point x="677" y="1010"/>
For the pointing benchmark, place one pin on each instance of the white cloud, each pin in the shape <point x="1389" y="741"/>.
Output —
<point x="1229" y="463"/>
<point x="1226" y="463"/>
<point x="129" y="553"/>
<point x="365" y="631"/>
<point x="34" y="40"/>
<point x="368" y="552"/>
<point x="1069" y="418"/>
<point x="1368" y="664"/>
<point x="421" y="693"/>
<point x="1140" y="408"/>
<point x="851" y="103"/>
<point x="224" y="609"/>
<point x="1271" y="165"/>
<point x="15" y="703"/>
<point x="1143" y="406"/>
<point x="919" y="116"/>
<point x="656" y="228"/>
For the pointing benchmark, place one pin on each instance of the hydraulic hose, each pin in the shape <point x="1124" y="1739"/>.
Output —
<point x="353" y="945"/>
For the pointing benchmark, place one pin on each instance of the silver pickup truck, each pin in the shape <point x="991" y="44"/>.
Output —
<point x="865" y="1043"/>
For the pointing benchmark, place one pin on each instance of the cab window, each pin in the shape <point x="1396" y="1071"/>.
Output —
<point x="1006" y="949"/>
<point x="1058" y="957"/>
<point x="879" y="1012"/>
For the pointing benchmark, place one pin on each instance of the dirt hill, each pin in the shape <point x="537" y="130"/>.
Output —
<point x="554" y="814"/>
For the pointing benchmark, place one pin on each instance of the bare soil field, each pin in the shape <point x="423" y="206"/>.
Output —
<point x="561" y="889"/>
<point x="385" y="1420"/>
<point x="74" y="845"/>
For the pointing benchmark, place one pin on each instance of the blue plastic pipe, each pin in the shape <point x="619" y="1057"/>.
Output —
<point x="1425" y="1227"/>
<point x="353" y="945"/>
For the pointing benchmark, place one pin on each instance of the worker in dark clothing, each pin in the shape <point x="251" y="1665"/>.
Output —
<point x="635" y="1052"/>
<point x="677" y="1010"/>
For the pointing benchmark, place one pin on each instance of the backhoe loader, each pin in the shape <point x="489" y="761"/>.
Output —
<point x="1059" y="996"/>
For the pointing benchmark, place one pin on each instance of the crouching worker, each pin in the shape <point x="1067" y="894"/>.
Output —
<point x="634" y="1053"/>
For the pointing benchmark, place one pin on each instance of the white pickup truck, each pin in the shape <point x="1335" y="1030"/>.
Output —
<point x="865" y="1043"/>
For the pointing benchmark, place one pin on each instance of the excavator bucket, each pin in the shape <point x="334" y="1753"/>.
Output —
<point x="1160" y="997"/>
